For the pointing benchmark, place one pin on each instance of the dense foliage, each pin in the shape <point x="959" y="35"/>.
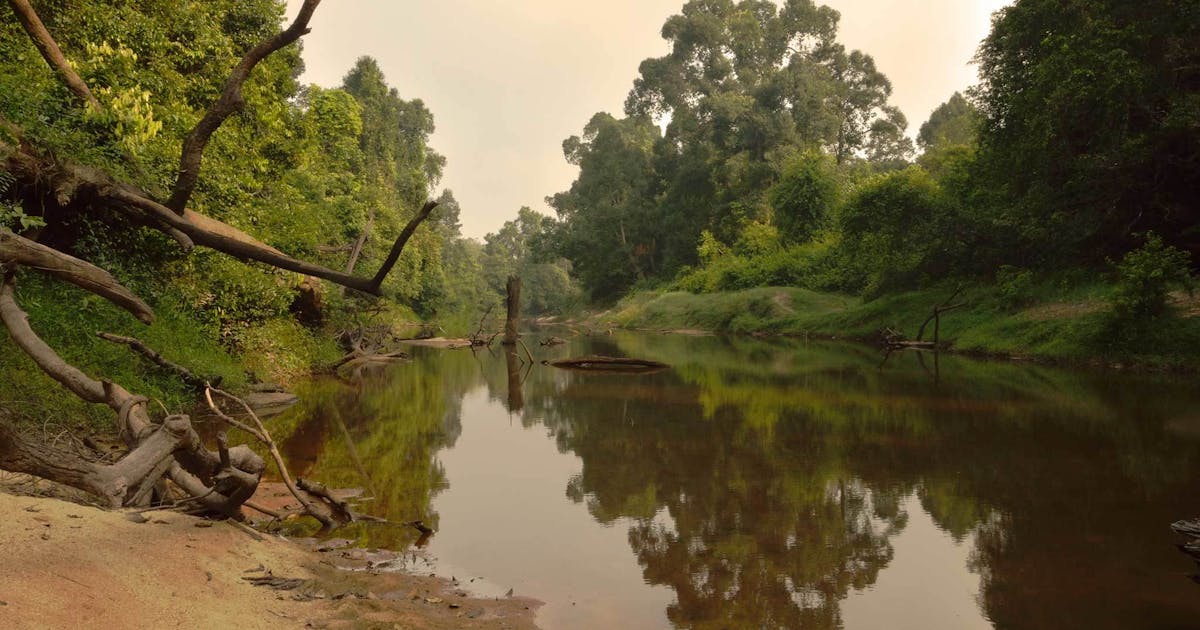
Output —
<point x="760" y="152"/>
<point x="327" y="174"/>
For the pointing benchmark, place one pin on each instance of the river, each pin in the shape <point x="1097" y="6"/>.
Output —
<point x="774" y="484"/>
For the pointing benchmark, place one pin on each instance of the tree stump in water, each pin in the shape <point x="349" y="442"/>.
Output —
<point x="513" y="301"/>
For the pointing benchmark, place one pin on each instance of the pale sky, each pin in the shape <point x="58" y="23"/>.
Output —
<point x="508" y="81"/>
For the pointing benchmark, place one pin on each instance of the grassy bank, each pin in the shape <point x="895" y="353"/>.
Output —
<point x="1072" y="323"/>
<point x="276" y="349"/>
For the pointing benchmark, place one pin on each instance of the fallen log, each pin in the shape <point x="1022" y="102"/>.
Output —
<point x="616" y="365"/>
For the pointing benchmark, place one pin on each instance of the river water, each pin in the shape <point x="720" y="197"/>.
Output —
<point x="774" y="484"/>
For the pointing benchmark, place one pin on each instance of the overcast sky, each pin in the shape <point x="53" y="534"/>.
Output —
<point x="508" y="80"/>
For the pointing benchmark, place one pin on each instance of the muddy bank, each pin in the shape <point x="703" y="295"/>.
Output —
<point x="67" y="565"/>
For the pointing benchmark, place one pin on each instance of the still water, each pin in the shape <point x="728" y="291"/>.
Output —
<point x="774" y="484"/>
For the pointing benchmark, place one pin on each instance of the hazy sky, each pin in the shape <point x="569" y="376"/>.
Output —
<point x="507" y="81"/>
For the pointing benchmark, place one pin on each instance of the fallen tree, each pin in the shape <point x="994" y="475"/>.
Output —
<point x="165" y="457"/>
<point x="611" y="365"/>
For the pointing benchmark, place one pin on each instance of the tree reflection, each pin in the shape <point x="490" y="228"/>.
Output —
<point x="381" y="434"/>
<point x="782" y="472"/>
<point x="768" y="529"/>
<point x="763" y="482"/>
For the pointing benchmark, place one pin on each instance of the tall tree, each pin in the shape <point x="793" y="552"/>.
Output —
<point x="608" y="227"/>
<point x="746" y="86"/>
<point x="955" y="122"/>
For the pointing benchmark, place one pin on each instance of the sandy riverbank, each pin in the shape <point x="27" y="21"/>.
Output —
<point x="67" y="565"/>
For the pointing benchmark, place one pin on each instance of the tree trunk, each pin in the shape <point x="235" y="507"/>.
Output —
<point x="513" y="302"/>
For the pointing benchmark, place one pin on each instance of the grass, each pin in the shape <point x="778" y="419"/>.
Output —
<point x="67" y="318"/>
<point x="1055" y="320"/>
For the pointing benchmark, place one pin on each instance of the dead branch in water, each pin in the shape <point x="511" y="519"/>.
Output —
<point x="894" y="340"/>
<point x="340" y="508"/>
<point x="260" y="433"/>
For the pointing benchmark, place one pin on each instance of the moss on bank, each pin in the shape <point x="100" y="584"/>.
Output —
<point x="1071" y="323"/>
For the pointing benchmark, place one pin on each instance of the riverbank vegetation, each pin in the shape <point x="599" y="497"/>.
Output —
<point x="327" y="174"/>
<point x="760" y="152"/>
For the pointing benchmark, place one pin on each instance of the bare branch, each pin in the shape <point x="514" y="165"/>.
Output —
<point x="229" y="102"/>
<point x="22" y="251"/>
<point x="209" y="232"/>
<point x="398" y="247"/>
<point x="70" y="182"/>
<point x="261" y="434"/>
<point x="51" y="52"/>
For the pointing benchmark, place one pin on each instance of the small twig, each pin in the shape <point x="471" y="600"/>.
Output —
<point x="246" y="528"/>
<point x="269" y="512"/>
<point x="186" y="375"/>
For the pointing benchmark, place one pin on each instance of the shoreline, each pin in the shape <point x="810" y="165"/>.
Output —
<point x="1072" y="338"/>
<point x="66" y="562"/>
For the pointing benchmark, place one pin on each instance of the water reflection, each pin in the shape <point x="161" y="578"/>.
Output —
<point x="780" y="485"/>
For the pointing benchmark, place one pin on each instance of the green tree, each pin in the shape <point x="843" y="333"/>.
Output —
<point x="1089" y="130"/>
<point x="804" y="197"/>
<point x="607" y="226"/>
<point x="746" y="86"/>
<point x="515" y="249"/>
<point x="955" y="122"/>
<point x="897" y="230"/>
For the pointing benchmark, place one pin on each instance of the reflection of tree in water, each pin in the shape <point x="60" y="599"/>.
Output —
<point x="782" y="471"/>
<point x="764" y="480"/>
<point x="381" y="434"/>
<point x="766" y="530"/>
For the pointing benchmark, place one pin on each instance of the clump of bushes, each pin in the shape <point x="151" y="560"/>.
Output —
<point x="1145" y="278"/>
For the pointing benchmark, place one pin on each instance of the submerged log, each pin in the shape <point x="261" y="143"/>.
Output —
<point x="620" y="365"/>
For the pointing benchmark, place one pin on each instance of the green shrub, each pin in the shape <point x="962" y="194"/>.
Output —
<point x="1014" y="286"/>
<point x="1146" y="276"/>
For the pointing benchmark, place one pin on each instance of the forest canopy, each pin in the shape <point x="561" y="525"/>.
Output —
<point x="760" y="151"/>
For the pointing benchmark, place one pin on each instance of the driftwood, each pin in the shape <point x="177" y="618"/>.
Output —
<point x="1191" y="530"/>
<point x="171" y="448"/>
<point x="619" y="365"/>
<point x="367" y="346"/>
<point x="260" y="433"/>
<point x="339" y="507"/>
<point x="218" y="481"/>
<point x="894" y="340"/>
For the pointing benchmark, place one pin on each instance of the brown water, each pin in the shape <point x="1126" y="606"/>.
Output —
<point x="775" y="484"/>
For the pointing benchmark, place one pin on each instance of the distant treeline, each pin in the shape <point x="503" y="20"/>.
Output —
<point x="760" y="151"/>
